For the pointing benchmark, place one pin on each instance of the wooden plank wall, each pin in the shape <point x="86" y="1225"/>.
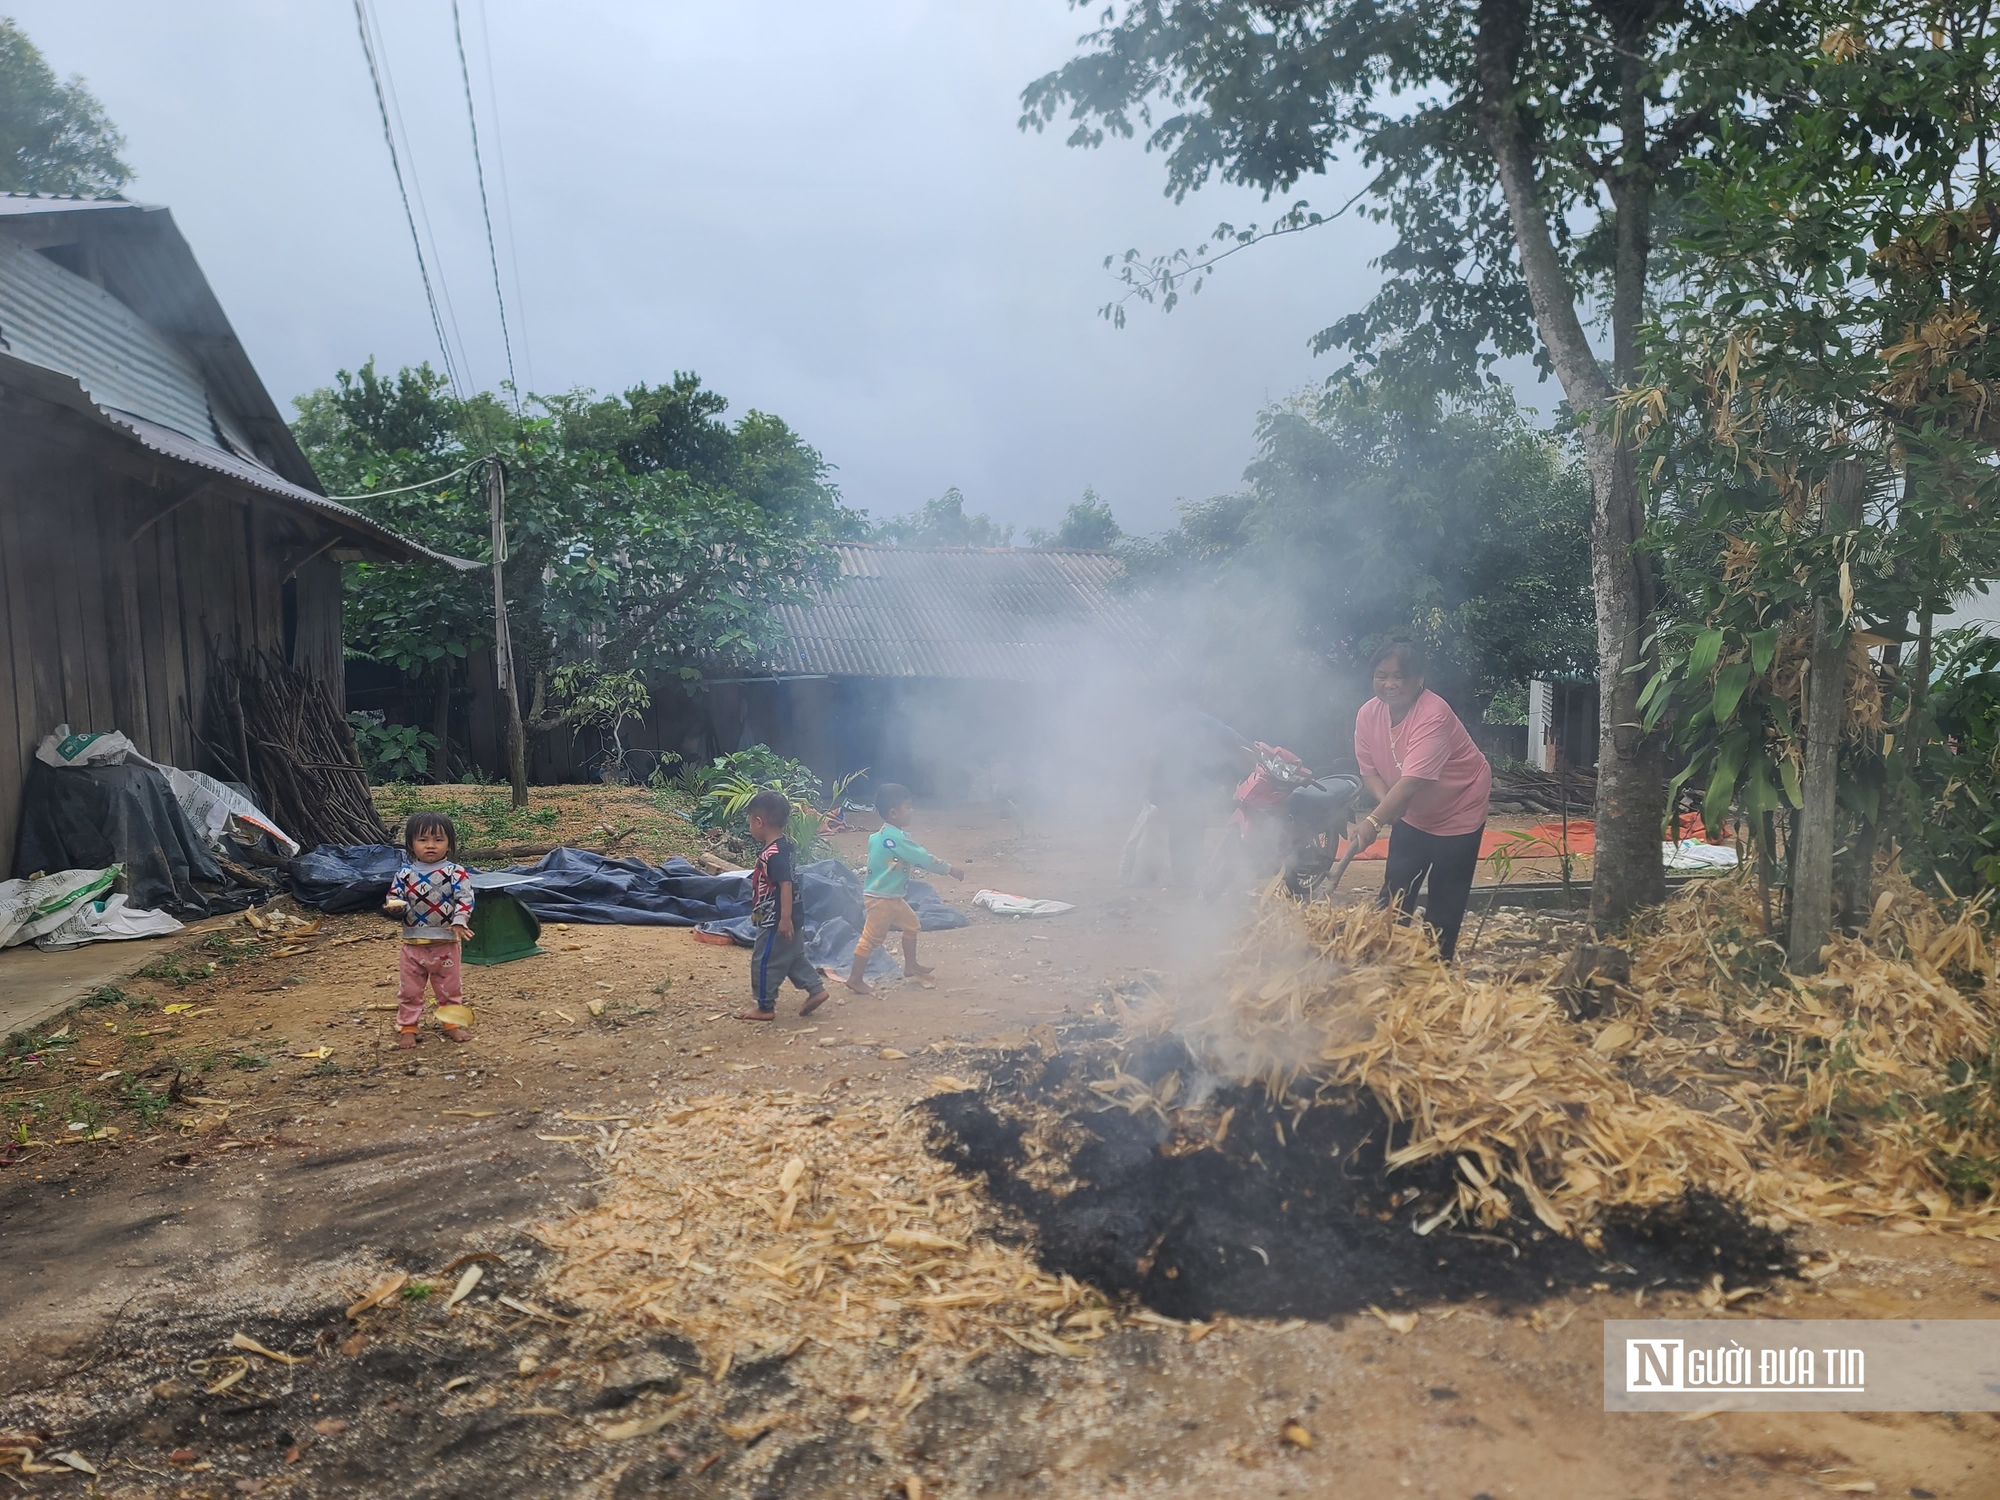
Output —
<point x="678" y="721"/>
<point x="107" y="622"/>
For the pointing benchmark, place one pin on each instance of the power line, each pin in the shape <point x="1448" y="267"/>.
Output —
<point x="506" y="191"/>
<point x="421" y="484"/>
<point x="423" y="207"/>
<point x="395" y="162"/>
<point x="479" y="169"/>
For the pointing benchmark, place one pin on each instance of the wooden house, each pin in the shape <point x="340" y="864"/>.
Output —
<point x="154" y="507"/>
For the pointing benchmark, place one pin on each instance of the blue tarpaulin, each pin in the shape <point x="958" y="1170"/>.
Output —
<point x="567" y="885"/>
<point x="345" y="877"/>
<point x="574" y="885"/>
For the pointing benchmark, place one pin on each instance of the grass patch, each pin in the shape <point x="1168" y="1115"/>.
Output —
<point x="150" y="1105"/>
<point x="24" y="1044"/>
<point x="249" y="1061"/>
<point x="178" y="970"/>
<point x="232" y="950"/>
<point x="218" y="950"/>
<point x="480" y="820"/>
<point x="326" y="1067"/>
<point x="110" y="994"/>
<point x="658" y="825"/>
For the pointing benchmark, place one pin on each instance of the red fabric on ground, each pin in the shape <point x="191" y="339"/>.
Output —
<point x="1540" y="840"/>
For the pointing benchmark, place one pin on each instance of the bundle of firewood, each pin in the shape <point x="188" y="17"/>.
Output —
<point x="1519" y="788"/>
<point x="279" y="730"/>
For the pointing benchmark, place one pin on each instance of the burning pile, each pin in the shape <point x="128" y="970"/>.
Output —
<point x="1866" y="1092"/>
<point x="1352" y="1128"/>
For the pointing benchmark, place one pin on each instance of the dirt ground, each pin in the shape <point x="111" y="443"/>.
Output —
<point x="302" y="1159"/>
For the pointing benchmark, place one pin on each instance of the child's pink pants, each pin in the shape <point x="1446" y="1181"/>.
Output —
<point x="437" y="962"/>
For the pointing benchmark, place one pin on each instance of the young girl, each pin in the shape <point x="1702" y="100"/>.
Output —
<point x="433" y="896"/>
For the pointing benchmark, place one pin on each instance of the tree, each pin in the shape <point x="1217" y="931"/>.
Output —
<point x="1820" y="418"/>
<point x="609" y="572"/>
<point x="943" y="523"/>
<point x="775" y="469"/>
<point x="1087" y="523"/>
<point x="678" y="429"/>
<point x="1522" y="150"/>
<point x="1450" y="521"/>
<point x="54" y="135"/>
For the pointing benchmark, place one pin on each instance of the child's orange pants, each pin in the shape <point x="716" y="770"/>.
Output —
<point x="885" y="914"/>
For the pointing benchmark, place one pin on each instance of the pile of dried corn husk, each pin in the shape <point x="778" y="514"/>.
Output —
<point x="1827" y="1098"/>
<point x="1868" y="1081"/>
<point x="756" y="1226"/>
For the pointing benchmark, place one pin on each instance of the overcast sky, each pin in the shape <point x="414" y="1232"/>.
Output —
<point x="825" y="208"/>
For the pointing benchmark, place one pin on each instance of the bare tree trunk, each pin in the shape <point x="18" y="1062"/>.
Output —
<point x="1826" y="698"/>
<point x="1909" y="741"/>
<point x="517" y="760"/>
<point x="1631" y="790"/>
<point x="1857" y="881"/>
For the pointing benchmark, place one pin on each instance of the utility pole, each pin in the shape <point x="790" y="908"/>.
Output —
<point x="503" y="646"/>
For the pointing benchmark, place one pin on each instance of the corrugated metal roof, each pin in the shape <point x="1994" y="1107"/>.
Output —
<point x="41" y="203"/>
<point x="136" y="252"/>
<point x="52" y="318"/>
<point x="993" y="614"/>
<point x="176" y="445"/>
<point x="151" y="350"/>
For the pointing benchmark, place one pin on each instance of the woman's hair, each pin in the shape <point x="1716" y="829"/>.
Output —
<point x="1407" y="653"/>
<point x="430" y="822"/>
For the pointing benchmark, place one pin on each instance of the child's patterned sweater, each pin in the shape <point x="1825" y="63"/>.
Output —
<point x="436" y="898"/>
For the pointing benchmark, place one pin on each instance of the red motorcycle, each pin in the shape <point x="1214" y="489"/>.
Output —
<point x="1286" y="822"/>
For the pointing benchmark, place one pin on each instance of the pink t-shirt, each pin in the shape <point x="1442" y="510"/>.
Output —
<point x="1430" y="743"/>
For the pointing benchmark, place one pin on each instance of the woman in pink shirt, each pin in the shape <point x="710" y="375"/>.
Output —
<point x="1430" y="784"/>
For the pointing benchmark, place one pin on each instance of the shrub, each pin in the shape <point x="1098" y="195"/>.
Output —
<point x="1953" y="830"/>
<point x="391" y="752"/>
<point x="720" y="794"/>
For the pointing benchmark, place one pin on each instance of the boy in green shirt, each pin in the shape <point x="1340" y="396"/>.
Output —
<point x="892" y="855"/>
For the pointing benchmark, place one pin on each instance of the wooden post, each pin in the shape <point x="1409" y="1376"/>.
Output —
<point x="503" y="647"/>
<point x="1815" y="826"/>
